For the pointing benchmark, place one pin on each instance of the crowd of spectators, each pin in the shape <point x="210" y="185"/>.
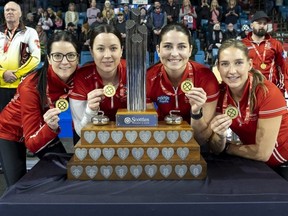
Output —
<point x="210" y="21"/>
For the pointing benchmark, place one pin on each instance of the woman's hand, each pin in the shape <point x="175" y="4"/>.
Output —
<point x="197" y="98"/>
<point x="94" y="98"/>
<point x="220" y="124"/>
<point x="52" y="119"/>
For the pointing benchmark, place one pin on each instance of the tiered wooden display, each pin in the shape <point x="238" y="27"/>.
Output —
<point x="129" y="153"/>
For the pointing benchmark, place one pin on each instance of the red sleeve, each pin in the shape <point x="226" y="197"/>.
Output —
<point x="36" y="132"/>
<point x="280" y="63"/>
<point x="272" y="103"/>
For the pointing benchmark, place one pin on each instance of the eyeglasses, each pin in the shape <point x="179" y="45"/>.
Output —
<point x="58" y="57"/>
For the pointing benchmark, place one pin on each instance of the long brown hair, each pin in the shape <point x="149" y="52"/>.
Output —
<point x="258" y="77"/>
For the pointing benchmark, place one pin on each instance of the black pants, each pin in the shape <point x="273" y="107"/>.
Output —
<point x="6" y="94"/>
<point x="13" y="158"/>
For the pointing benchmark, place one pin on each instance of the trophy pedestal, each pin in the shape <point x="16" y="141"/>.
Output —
<point x="109" y="152"/>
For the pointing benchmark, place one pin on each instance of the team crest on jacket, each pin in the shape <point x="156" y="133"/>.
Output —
<point x="163" y="99"/>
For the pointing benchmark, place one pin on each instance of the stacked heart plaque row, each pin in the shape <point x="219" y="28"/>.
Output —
<point x="119" y="153"/>
<point x="130" y="137"/>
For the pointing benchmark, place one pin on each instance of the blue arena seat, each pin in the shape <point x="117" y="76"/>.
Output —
<point x="200" y="57"/>
<point x="85" y="57"/>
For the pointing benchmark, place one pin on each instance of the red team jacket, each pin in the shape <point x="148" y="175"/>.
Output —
<point x="160" y="90"/>
<point x="22" y="119"/>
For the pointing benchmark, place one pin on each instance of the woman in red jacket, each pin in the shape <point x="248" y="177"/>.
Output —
<point x="165" y="80"/>
<point x="31" y="118"/>
<point x="252" y="107"/>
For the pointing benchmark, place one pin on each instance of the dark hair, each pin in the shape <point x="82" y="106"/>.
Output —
<point x="41" y="74"/>
<point x="179" y="27"/>
<point x="258" y="77"/>
<point x="104" y="28"/>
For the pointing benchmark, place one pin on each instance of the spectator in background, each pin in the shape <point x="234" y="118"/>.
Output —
<point x="188" y="15"/>
<point x="72" y="29"/>
<point x="46" y="23"/>
<point x="82" y="5"/>
<point x="58" y="22"/>
<point x="108" y="8"/>
<point x="71" y="16"/>
<point x="126" y="12"/>
<point x="120" y="25"/>
<point x="232" y="13"/>
<point x="99" y="20"/>
<point x="43" y="40"/>
<point x="215" y="40"/>
<point x="146" y="20"/>
<point x="30" y="21"/>
<point x="159" y="20"/>
<point x="92" y="12"/>
<point x="38" y="14"/>
<point x="84" y="37"/>
<point x="172" y="11"/>
<point x="266" y="51"/>
<point x="109" y="18"/>
<point x="19" y="52"/>
<point x="203" y="12"/>
<point x="230" y="32"/>
<point x="215" y="14"/>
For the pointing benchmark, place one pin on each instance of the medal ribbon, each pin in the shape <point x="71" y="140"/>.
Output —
<point x="9" y="36"/>
<point x="262" y="58"/>
<point x="225" y="103"/>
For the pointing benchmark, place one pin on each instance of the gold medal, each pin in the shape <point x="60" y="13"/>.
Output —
<point x="263" y="66"/>
<point x="109" y="90"/>
<point x="186" y="86"/>
<point x="232" y="112"/>
<point x="62" y="104"/>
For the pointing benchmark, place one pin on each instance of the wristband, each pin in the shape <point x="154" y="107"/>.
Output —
<point x="197" y="116"/>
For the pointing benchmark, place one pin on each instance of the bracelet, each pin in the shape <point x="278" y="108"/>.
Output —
<point x="197" y="116"/>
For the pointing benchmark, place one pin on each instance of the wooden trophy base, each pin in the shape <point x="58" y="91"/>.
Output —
<point x="109" y="152"/>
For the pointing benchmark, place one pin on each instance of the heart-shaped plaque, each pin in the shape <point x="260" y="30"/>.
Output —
<point x="150" y="170"/>
<point x="186" y="136"/>
<point x="103" y="136"/>
<point x="95" y="153"/>
<point x="196" y="170"/>
<point x="181" y="170"/>
<point x="91" y="171"/>
<point x="106" y="171"/>
<point x="117" y="136"/>
<point x="108" y="153"/>
<point x="131" y="136"/>
<point x="152" y="153"/>
<point x="159" y="136"/>
<point x="137" y="153"/>
<point x="182" y="152"/>
<point x="165" y="170"/>
<point x="172" y="136"/>
<point x="76" y="171"/>
<point x="123" y="153"/>
<point x="136" y="170"/>
<point x="121" y="171"/>
<point x="81" y="153"/>
<point x="168" y="153"/>
<point x="89" y="136"/>
<point x="145" y="136"/>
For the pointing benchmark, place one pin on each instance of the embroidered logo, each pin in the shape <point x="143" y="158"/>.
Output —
<point x="163" y="99"/>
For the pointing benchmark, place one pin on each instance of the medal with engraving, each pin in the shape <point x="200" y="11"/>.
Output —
<point x="62" y="104"/>
<point x="186" y="86"/>
<point x="109" y="90"/>
<point x="263" y="66"/>
<point x="232" y="112"/>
